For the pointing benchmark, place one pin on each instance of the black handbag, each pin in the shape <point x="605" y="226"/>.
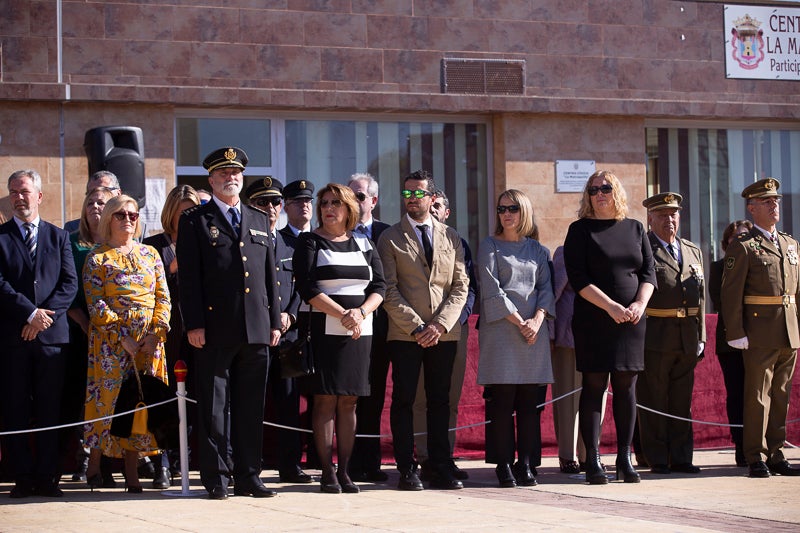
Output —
<point x="297" y="357"/>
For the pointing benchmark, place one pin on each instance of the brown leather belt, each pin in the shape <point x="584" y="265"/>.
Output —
<point x="785" y="300"/>
<point x="681" y="312"/>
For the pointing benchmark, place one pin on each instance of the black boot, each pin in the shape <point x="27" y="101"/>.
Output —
<point x="505" y="476"/>
<point x="625" y="470"/>
<point x="595" y="475"/>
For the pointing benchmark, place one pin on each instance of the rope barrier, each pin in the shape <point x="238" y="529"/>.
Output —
<point x="372" y="436"/>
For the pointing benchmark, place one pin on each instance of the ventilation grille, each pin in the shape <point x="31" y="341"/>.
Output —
<point x="483" y="76"/>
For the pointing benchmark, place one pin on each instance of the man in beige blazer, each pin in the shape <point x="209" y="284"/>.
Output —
<point x="426" y="288"/>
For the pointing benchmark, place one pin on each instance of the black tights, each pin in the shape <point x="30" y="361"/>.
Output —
<point x="340" y="411"/>
<point x="504" y="401"/>
<point x="623" y="385"/>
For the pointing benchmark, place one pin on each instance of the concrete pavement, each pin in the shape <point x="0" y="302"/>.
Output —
<point x="720" y="498"/>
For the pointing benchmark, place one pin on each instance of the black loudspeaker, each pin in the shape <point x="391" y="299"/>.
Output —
<point x="118" y="149"/>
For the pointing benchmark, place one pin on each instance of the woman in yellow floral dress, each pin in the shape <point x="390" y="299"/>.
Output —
<point x="129" y="309"/>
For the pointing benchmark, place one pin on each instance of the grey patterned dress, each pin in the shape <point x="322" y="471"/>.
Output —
<point x="514" y="276"/>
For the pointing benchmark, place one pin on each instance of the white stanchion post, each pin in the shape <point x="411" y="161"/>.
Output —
<point x="183" y="429"/>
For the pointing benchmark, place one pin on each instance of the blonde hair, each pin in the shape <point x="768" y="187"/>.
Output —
<point x="172" y="205"/>
<point x="526" y="226"/>
<point x="618" y="194"/>
<point x="84" y="232"/>
<point x="348" y="198"/>
<point x="112" y="206"/>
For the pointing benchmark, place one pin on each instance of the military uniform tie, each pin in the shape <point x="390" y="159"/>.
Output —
<point x="235" y="221"/>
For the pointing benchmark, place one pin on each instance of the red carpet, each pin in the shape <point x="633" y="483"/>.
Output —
<point x="708" y="405"/>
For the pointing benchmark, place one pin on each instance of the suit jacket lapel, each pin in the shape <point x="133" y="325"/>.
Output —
<point x="216" y="218"/>
<point x="411" y="237"/>
<point x="663" y="254"/>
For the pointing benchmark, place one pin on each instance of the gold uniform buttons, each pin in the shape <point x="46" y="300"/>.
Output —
<point x="241" y="244"/>
<point x="247" y="290"/>
<point x="247" y="274"/>
<point x="244" y="258"/>
<point x="210" y="308"/>
<point x="279" y="283"/>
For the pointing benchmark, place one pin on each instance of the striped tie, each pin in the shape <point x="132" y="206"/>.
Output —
<point x="235" y="220"/>
<point x="30" y="239"/>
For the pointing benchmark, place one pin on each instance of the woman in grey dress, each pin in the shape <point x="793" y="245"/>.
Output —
<point x="516" y="298"/>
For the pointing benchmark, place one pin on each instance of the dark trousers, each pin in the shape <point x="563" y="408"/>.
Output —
<point x="407" y="359"/>
<point x="284" y="398"/>
<point x="732" y="367"/>
<point x="367" y="451"/>
<point x="32" y="384"/>
<point x="231" y="385"/>
<point x="502" y="401"/>
<point x="666" y="385"/>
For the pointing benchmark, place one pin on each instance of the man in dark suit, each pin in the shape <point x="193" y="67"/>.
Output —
<point x="231" y="313"/>
<point x="676" y="336"/>
<point x="760" y="287"/>
<point x="37" y="286"/>
<point x="365" y="464"/>
<point x="298" y="197"/>
<point x="265" y="194"/>
<point x="426" y="289"/>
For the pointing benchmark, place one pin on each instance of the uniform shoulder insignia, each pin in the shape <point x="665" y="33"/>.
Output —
<point x="730" y="262"/>
<point x="192" y="209"/>
<point x="784" y="233"/>
<point x="744" y="237"/>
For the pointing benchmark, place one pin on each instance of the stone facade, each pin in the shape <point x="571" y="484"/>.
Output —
<point x="595" y="71"/>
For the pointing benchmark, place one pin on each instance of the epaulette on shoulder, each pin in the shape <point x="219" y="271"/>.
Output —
<point x="190" y="210"/>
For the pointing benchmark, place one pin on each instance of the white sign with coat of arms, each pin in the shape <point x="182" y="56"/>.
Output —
<point x="762" y="42"/>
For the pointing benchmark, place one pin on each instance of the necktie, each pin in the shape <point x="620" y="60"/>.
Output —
<point x="235" y="220"/>
<point x="362" y="229"/>
<point x="426" y="244"/>
<point x="30" y="239"/>
<point x="774" y="239"/>
<point x="673" y="252"/>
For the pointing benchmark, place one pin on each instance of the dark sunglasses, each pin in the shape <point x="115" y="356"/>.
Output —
<point x="510" y="208"/>
<point x="605" y="189"/>
<point x="361" y="196"/>
<point x="419" y="193"/>
<point x="334" y="203"/>
<point x="122" y="215"/>
<point x="264" y="202"/>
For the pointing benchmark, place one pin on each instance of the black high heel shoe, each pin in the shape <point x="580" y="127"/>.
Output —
<point x="625" y="470"/>
<point x="348" y="487"/>
<point x="94" y="481"/>
<point x="595" y="473"/>
<point x="328" y="485"/>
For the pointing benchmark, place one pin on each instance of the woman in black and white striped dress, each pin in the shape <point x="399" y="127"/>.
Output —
<point x="340" y="275"/>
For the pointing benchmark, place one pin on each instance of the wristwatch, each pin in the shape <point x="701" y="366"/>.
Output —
<point x="363" y="313"/>
<point x="418" y="330"/>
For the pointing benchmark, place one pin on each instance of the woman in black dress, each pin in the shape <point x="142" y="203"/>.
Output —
<point x="610" y="265"/>
<point x="730" y="359"/>
<point x="340" y="275"/>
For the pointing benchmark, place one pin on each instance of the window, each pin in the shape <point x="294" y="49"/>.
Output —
<point x="323" y="151"/>
<point x="710" y="167"/>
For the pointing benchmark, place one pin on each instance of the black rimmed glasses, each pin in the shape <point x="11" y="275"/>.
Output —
<point x="275" y="201"/>
<point x="133" y="216"/>
<point x="605" y="189"/>
<point x="419" y="193"/>
<point x="501" y="209"/>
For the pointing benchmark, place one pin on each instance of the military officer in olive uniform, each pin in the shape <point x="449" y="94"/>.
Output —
<point x="229" y="303"/>
<point x="675" y="338"/>
<point x="760" y="286"/>
<point x="282" y="393"/>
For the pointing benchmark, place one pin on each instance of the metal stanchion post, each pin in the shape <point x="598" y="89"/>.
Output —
<point x="183" y="432"/>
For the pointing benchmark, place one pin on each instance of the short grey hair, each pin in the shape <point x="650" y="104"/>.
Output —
<point x="28" y="173"/>
<point x="100" y="174"/>
<point x="372" y="183"/>
<point x="443" y="197"/>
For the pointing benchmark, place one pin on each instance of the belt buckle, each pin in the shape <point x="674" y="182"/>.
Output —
<point x="681" y="313"/>
<point x="786" y="300"/>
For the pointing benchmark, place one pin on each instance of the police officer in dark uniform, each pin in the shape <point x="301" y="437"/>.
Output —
<point x="229" y="302"/>
<point x="298" y="197"/>
<point x="760" y="286"/>
<point x="675" y="338"/>
<point x="283" y="394"/>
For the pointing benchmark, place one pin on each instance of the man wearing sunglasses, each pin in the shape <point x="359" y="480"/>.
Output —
<point x="760" y="287"/>
<point x="365" y="463"/>
<point x="298" y="197"/>
<point x="38" y="283"/>
<point x="282" y="393"/>
<point x="440" y="209"/>
<point x="674" y="340"/>
<point x="230" y="307"/>
<point x="426" y="289"/>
